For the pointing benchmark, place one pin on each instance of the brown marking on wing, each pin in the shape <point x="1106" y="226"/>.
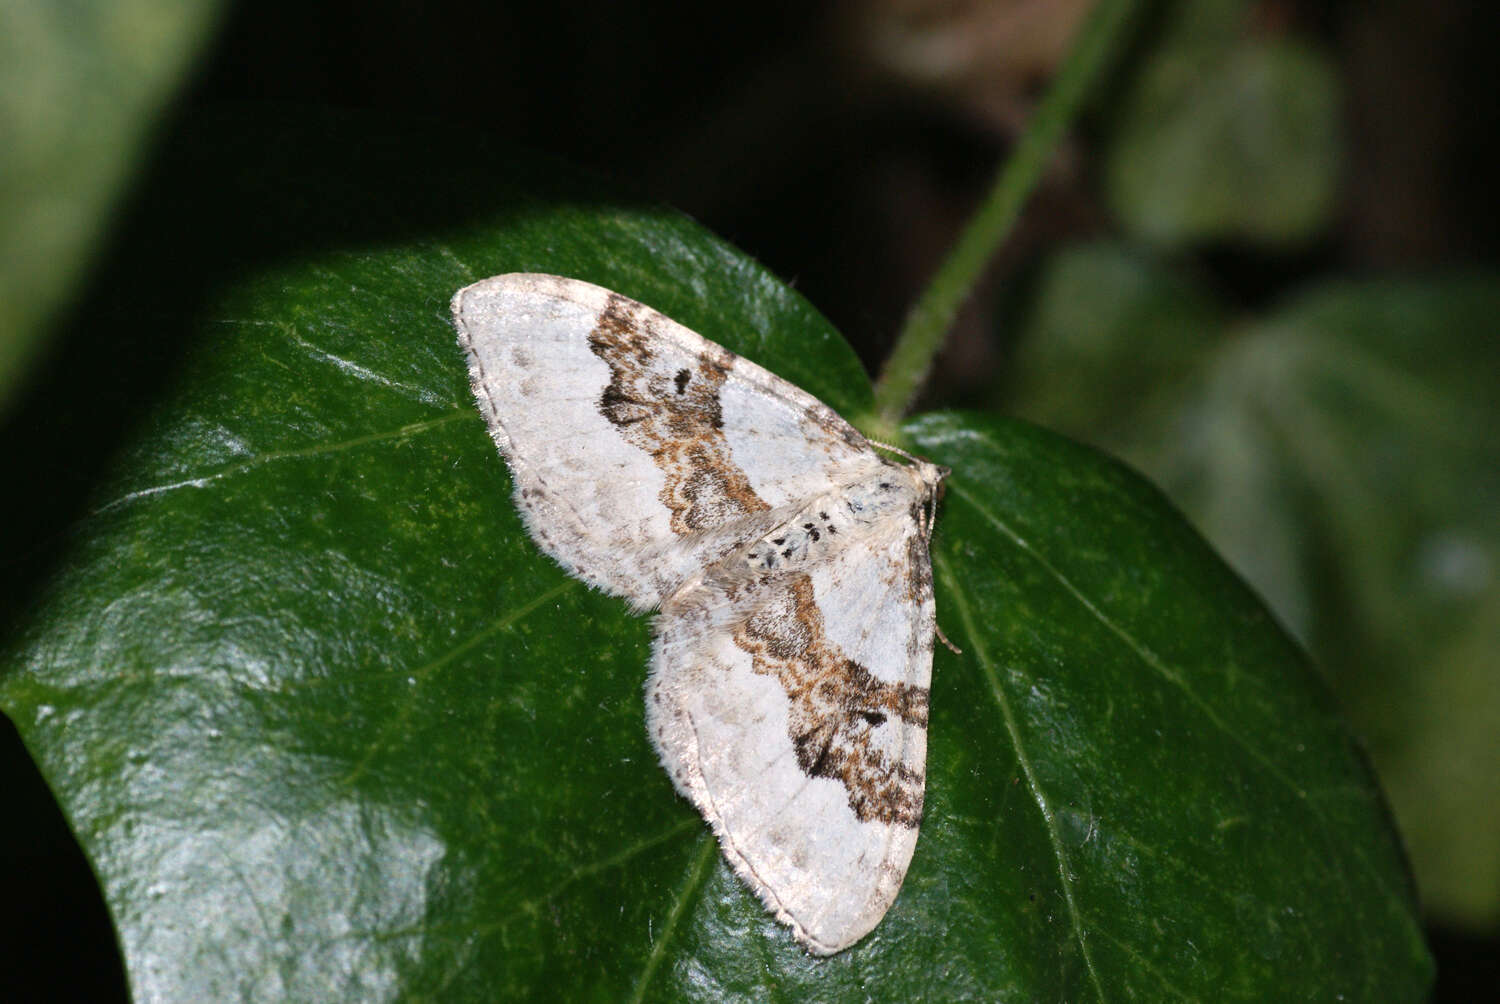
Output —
<point x="918" y="586"/>
<point x="674" y="414"/>
<point x="836" y="706"/>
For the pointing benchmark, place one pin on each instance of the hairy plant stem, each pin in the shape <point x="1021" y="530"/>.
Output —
<point x="928" y="322"/>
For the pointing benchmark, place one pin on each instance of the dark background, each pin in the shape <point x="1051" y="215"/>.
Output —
<point x="791" y="130"/>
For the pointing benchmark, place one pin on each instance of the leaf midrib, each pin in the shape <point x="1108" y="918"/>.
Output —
<point x="1054" y="836"/>
<point x="1154" y="662"/>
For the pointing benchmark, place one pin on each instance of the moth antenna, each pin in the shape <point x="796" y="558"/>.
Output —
<point x="896" y="450"/>
<point x="944" y="639"/>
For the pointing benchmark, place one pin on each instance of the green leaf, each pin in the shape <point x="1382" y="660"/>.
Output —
<point x="328" y="726"/>
<point x="1358" y="422"/>
<point x="1340" y="453"/>
<point x="1170" y="756"/>
<point x="1228" y="141"/>
<point x="1108" y="332"/>
<point x="81" y="85"/>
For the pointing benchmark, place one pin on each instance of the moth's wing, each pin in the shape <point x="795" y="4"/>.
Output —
<point x="637" y="446"/>
<point x="793" y="713"/>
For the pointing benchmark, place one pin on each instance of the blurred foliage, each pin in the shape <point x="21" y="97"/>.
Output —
<point x="1226" y="135"/>
<point x="1334" y="446"/>
<point x="330" y="727"/>
<point x="1340" y="451"/>
<point x="1337" y="446"/>
<point x="81" y="84"/>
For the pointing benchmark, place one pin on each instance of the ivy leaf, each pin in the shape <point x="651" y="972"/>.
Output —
<point x="1338" y="451"/>
<point x="1223" y="140"/>
<point x="328" y="726"/>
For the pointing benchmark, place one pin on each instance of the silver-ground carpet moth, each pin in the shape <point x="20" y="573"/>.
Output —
<point x="786" y="555"/>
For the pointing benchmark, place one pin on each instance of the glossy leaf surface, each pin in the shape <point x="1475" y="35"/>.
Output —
<point x="330" y="727"/>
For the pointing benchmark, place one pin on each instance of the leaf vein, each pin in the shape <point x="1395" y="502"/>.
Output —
<point x="397" y="726"/>
<point x="1139" y="648"/>
<point x="958" y="599"/>
<point x="1155" y="663"/>
<point x="709" y="848"/>
<point x="363" y="373"/>
<point x="263" y="459"/>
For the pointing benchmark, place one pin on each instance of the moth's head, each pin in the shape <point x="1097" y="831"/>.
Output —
<point x="927" y="474"/>
<point x="931" y="476"/>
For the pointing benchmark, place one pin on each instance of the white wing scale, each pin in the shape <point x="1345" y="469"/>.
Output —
<point x="788" y="690"/>
<point x="808" y="763"/>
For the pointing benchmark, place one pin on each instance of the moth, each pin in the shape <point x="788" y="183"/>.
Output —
<point x="786" y="555"/>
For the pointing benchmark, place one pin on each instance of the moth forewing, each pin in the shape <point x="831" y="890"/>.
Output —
<point x="788" y="689"/>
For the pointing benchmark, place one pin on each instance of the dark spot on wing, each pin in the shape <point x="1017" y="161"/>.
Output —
<point x="836" y="703"/>
<point x="673" y="413"/>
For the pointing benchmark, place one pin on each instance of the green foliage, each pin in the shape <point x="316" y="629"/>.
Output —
<point x="328" y="726"/>
<point x="81" y="84"/>
<point x="1340" y="452"/>
<point x="1224" y="136"/>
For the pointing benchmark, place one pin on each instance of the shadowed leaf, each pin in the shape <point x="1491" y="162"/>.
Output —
<point x="329" y="726"/>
